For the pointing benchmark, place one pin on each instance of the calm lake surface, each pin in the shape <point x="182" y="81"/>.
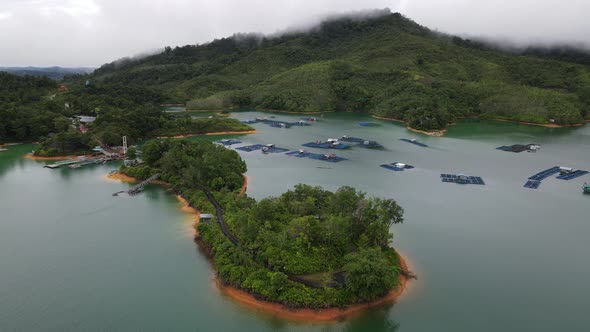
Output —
<point x="498" y="257"/>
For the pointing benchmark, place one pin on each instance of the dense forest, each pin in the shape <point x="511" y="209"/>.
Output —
<point x="387" y="65"/>
<point x="37" y="108"/>
<point x="310" y="247"/>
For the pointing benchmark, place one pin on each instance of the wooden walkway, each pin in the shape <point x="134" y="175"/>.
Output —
<point x="139" y="187"/>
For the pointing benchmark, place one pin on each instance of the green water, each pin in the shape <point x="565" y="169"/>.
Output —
<point x="488" y="258"/>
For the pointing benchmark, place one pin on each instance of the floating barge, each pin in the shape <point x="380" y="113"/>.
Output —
<point x="265" y="148"/>
<point x="565" y="173"/>
<point x="518" y="148"/>
<point x="397" y="167"/>
<point x="324" y="157"/>
<point x="413" y="141"/>
<point x="461" y="179"/>
<point x="362" y="142"/>
<point x="331" y="143"/>
<point x="228" y="142"/>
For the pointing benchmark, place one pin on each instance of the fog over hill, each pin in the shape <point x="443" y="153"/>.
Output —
<point x="92" y="32"/>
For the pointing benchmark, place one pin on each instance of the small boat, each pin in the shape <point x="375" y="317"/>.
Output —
<point x="586" y="188"/>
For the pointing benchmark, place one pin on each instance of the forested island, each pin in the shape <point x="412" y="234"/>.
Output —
<point x="308" y="248"/>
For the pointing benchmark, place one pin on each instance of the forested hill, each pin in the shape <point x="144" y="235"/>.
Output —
<point x="387" y="65"/>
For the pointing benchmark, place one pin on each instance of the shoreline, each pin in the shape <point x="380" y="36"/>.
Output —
<point x="245" y="185"/>
<point x="33" y="157"/>
<point x="212" y="134"/>
<point x="433" y="133"/>
<point x="275" y="309"/>
<point x="546" y="125"/>
<point x="311" y="315"/>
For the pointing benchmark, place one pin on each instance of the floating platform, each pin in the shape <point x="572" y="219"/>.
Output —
<point x="532" y="184"/>
<point x="310" y="118"/>
<point x="461" y="179"/>
<point x="572" y="175"/>
<point x="413" y="141"/>
<point x="368" y="124"/>
<point x="228" y="142"/>
<point x="327" y="145"/>
<point x="545" y="174"/>
<point x="266" y="148"/>
<point x="325" y="157"/>
<point x="362" y="142"/>
<point x="398" y="167"/>
<point x="518" y="148"/>
<point x="300" y="123"/>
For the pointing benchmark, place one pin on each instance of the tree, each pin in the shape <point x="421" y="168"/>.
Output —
<point x="131" y="153"/>
<point x="369" y="274"/>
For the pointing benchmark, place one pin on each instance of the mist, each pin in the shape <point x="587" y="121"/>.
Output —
<point x="93" y="32"/>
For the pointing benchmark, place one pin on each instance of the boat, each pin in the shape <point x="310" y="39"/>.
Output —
<point x="586" y="188"/>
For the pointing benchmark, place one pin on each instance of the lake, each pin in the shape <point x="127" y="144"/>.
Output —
<point x="498" y="257"/>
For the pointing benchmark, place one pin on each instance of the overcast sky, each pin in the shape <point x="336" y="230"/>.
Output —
<point x="93" y="32"/>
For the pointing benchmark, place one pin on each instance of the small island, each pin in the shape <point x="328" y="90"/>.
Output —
<point x="309" y="248"/>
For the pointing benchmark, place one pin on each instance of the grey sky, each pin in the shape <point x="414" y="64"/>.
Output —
<point x="92" y="32"/>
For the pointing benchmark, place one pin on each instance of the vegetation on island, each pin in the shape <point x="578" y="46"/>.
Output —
<point x="309" y="247"/>
<point x="35" y="108"/>
<point x="385" y="64"/>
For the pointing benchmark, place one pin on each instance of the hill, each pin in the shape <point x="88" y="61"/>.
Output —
<point x="56" y="73"/>
<point x="387" y="65"/>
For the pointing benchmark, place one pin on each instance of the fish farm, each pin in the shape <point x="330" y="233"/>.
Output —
<point x="362" y="142"/>
<point x="533" y="182"/>
<point x="414" y="141"/>
<point x="324" y="157"/>
<point x="228" y="142"/>
<point x="518" y="148"/>
<point x="461" y="179"/>
<point x="398" y="167"/>
<point x="266" y="148"/>
<point x="330" y="144"/>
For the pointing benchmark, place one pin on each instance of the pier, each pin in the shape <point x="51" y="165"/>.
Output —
<point x="75" y="163"/>
<point x="139" y="187"/>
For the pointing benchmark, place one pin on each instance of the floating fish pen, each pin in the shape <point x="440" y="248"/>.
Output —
<point x="461" y="179"/>
<point x="518" y="148"/>
<point x="266" y="148"/>
<point x="352" y="139"/>
<point x="331" y="143"/>
<point x="572" y="175"/>
<point x="545" y="174"/>
<point x="398" y="167"/>
<point x="565" y="173"/>
<point x="300" y="123"/>
<point x="228" y="142"/>
<point x="532" y="184"/>
<point x="370" y="145"/>
<point x="310" y="118"/>
<point x="413" y="141"/>
<point x="324" y="157"/>
<point x="368" y="124"/>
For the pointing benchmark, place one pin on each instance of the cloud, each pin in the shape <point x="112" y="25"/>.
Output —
<point x="93" y="32"/>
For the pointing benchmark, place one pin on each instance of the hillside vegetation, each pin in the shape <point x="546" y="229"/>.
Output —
<point x="387" y="65"/>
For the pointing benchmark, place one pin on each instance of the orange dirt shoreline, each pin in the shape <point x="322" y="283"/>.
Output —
<point x="33" y="157"/>
<point x="434" y="133"/>
<point x="278" y="310"/>
<point x="310" y="315"/>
